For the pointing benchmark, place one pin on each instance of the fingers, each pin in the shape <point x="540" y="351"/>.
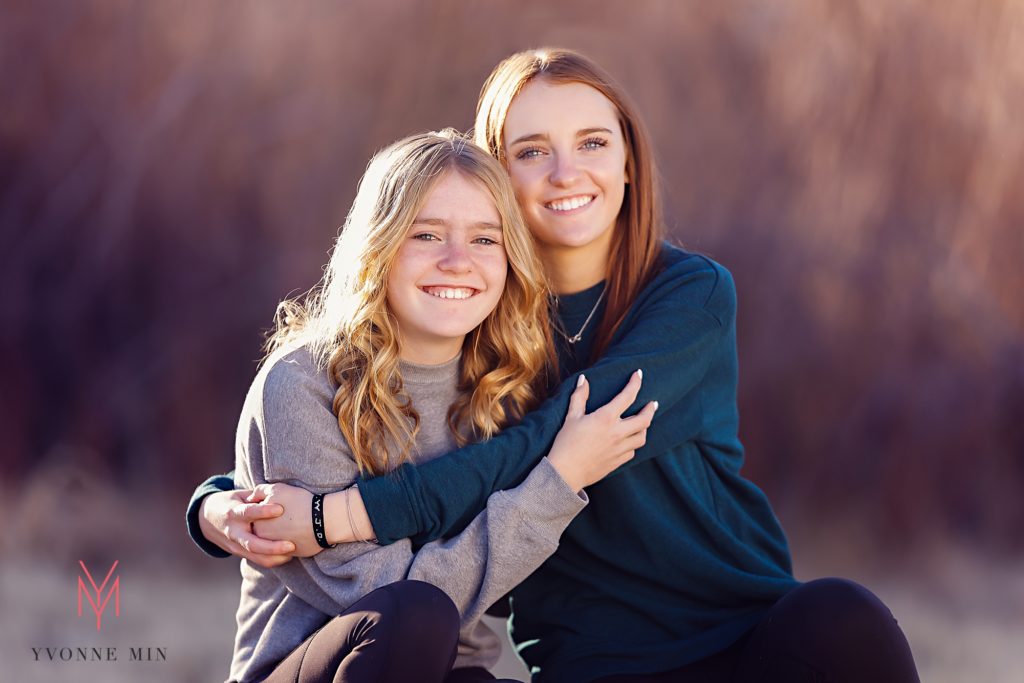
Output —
<point x="578" y="400"/>
<point x="252" y="512"/>
<point x="636" y="428"/>
<point x="624" y="399"/>
<point x="261" y="546"/>
<point x="641" y="420"/>
<point x="267" y="561"/>
<point x="636" y="441"/>
<point x="252" y="545"/>
<point x="259" y="493"/>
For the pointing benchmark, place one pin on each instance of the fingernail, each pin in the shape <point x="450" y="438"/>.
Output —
<point x="580" y="381"/>
<point x="655" y="406"/>
<point x="640" y="373"/>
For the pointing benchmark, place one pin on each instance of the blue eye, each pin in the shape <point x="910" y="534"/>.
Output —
<point x="425" y="237"/>
<point x="487" y="241"/>
<point x="594" y="143"/>
<point x="528" y="153"/>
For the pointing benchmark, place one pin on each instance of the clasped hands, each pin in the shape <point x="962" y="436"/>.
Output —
<point x="267" y="525"/>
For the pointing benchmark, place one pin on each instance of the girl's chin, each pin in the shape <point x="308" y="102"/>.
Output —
<point x="571" y="236"/>
<point x="453" y="333"/>
<point x="586" y="242"/>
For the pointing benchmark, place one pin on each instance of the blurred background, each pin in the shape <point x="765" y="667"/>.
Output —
<point x="169" y="171"/>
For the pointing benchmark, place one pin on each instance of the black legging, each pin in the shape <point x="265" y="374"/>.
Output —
<point x="827" y="631"/>
<point x="402" y="632"/>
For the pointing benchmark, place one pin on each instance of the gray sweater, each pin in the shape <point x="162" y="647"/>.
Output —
<point x="288" y="433"/>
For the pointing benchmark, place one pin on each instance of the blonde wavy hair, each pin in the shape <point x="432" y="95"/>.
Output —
<point x="346" y="323"/>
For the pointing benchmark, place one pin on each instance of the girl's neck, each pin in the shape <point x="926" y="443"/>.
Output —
<point x="574" y="269"/>
<point x="429" y="354"/>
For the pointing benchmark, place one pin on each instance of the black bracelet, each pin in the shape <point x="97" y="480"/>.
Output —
<point x="318" y="521"/>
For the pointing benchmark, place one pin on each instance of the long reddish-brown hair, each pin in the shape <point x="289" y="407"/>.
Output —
<point x="636" y="243"/>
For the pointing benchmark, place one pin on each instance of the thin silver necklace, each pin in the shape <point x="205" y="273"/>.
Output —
<point x="579" y="335"/>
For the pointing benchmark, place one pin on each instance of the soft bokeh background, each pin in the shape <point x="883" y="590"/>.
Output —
<point x="170" y="170"/>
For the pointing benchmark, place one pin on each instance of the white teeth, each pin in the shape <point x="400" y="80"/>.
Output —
<point x="449" y="292"/>
<point x="570" y="203"/>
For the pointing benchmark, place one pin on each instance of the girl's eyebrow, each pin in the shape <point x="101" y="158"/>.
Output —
<point x="591" y="131"/>
<point x="583" y="132"/>
<point x="482" y="225"/>
<point x="529" y="138"/>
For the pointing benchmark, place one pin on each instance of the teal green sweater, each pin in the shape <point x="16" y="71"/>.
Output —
<point x="677" y="554"/>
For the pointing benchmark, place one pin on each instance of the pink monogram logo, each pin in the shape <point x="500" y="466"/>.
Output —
<point x="97" y="606"/>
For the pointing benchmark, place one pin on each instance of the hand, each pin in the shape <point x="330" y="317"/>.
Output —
<point x="295" y="524"/>
<point x="589" y="447"/>
<point x="226" y="519"/>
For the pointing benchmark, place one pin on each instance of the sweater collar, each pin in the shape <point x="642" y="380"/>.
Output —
<point x="420" y="373"/>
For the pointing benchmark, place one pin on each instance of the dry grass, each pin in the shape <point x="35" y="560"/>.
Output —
<point x="961" y="608"/>
<point x="961" y="612"/>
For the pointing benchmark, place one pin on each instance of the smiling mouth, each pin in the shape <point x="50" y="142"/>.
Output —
<point x="569" y="203"/>
<point x="450" y="292"/>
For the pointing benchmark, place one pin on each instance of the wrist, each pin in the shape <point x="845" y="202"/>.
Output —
<point x="319" y="532"/>
<point x="359" y="518"/>
<point x="205" y="526"/>
<point x="346" y="518"/>
<point x="566" y="473"/>
<point x="202" y="531"/>
<point x="336" y="518"/>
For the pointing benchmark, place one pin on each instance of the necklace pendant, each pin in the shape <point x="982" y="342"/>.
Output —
<point x="579" y="335"/>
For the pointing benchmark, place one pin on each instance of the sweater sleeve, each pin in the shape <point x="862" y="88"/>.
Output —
<point x="677" y="325"/>
<point x="218" y="482"/>
<point x="294" y="436"/>
<point x="517" y="531"/>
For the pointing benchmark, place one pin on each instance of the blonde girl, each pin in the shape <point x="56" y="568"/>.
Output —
<point x="428" y="330"/>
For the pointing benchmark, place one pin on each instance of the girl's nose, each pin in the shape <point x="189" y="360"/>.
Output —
<point x="455" y="258"/>
<point x="566" y="171"/>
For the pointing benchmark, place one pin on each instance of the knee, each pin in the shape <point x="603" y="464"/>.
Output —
<point x="403" y="631"/>
<point x="839" y="627"/>
<point x="847" y="606"/>
<point x="419" y="605"/>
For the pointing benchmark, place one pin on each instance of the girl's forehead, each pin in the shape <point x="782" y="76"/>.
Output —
<point x="543" y="103"/>
<point x="458" y="195"/>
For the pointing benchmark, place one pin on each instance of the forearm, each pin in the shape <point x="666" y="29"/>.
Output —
<point x="345" y="517"/>
<point x="678" y="326"/>
<point x="517" y="531"/>
<point x="440" y="497"/>
<point x="193" y="520"/>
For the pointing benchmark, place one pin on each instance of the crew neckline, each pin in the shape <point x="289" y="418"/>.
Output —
<point x="422" y="373"/>
<point x="580" y="303"/>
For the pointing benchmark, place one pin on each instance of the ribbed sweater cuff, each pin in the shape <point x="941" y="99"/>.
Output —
<point x="546" y="501"/>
